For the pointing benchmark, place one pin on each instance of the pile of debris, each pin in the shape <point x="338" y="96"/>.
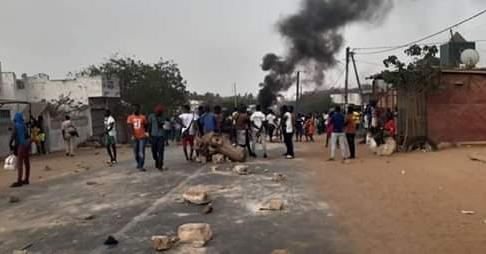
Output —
<point x="216" y="144"/>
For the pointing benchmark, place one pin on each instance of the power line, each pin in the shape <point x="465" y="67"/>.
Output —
<point x="426" y="37"/>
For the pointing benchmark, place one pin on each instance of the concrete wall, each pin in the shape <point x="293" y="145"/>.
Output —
<point x="353" y="98"/>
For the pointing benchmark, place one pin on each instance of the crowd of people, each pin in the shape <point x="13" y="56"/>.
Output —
<point x="250" y="129"/>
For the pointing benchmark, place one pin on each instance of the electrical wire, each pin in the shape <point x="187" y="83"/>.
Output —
<point x="426" y="37"/>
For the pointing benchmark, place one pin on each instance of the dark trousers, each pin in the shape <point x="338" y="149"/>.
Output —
<point x="352" y="145"/>
<point x="289" y="143"/>
<point x="158" y="147"/>
<point x="23" y="159"/>
<point x="139" y="152"/>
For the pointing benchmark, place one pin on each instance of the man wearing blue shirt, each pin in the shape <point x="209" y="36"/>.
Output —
<point x="338" y="122"/>
<point x="208" y="121"/>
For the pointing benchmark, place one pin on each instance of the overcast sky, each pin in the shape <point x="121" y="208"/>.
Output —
<point x="215" y="42"/>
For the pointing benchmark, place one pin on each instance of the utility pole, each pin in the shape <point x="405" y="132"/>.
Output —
<point x="297" y="94"/>
<point x="357" y="78"/>
<point x="348" y="50"/>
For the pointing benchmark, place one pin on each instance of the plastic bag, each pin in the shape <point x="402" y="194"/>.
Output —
<point x="10" y="162"/>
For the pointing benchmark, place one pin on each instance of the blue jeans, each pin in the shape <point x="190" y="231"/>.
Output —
<point x="158" y="146"/>
<point x="139" y="152"/>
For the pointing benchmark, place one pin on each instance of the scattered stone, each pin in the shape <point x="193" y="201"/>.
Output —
<point x="388" y="148"/>
<point x="161" y="242"/>
<point x="13" y="199"/>
<point x="88" y="217"/>
<point x="179" y="200"/>
<point x="214" y="168"/>
<point x="403" y="172"/>
<point x="110" y="241"/>
<point x="280" y="252"/>
<point x="266" y="170"/>
<point x="47" y="168"/>
<point x="273" y="205"/>
<point x="196" y="195"/>
<point x="20" y="252"/>
<point x="86" y="167"/>
<point x="197" y="234"/>
<point x="477" y="157"/>
<point x="208" y="209"/>
<point x="97" y="153"/>
<point x="468" y="212"/>
<point x="445" y="145"/>
<point x="90" y="183"/>
<point x="279" y="178"/>
<point x="241" y="169"/>
<point x="218" y="158"/>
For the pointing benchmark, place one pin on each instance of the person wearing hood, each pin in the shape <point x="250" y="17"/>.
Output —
<point x="19" y="145"/>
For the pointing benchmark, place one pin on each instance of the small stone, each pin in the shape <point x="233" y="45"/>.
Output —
<point x="20" y="252"/>
<point x="218" y="158"/>
<point x="273" y="205"/>
<point x="196" y="196"/>
<point x="208" y="209"/>
<point x="266" y="170"/>
<point x="161" y="242"/>
<point x="88" y="217"/>
<point x="13" y="199"/>
<point x="90" y="183"/>
<point x="279" y="178"/>
<point x="468" y="212"/>
<point x="280" y="252"/>
<point x="97" y="153"/>
<point x="214" y="168"/>
<point x="195" y="233"/>
<point x="179" y="200"/>
<point x="47" y="168"/>
<point x="403" y="172"/>
<point x="241" y="169"/>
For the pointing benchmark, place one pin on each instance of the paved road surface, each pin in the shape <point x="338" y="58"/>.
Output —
<point x="133" y="206"/>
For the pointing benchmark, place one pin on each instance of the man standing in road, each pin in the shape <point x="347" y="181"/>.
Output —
<point x="258" y="131"/>
<point x="288" y="131"/>
<point x="157" y="132"/>
<point x="137" y="124"/>
<point x="69" y="133"/>
<point x="351" y="132"/>
<point x="110" y="132"/>
<point x="20" y="146"/>
<point x="338" y="121"/>
<point x="271" y="123"/>
<point x="188" y="121"/>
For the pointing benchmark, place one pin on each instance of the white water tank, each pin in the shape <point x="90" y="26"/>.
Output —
<point x="470" y="57"/>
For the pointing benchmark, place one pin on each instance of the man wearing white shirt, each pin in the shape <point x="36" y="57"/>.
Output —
<point x="272" y="124"/>
<point x="258" y="131"/>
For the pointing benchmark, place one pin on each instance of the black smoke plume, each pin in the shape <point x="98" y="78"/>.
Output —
<point x="314" y="36"/>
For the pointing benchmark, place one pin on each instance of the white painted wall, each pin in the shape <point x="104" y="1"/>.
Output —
<point x="353" y="98"/>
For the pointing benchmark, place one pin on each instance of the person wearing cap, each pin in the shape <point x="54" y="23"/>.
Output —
<point x="156" y="122"/>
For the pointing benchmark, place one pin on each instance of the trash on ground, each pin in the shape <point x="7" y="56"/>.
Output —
<point x="208" y="209"/>
<point x="196" y="234"/>
<point x="110" y="241"/>
<point x="468" y="212"/>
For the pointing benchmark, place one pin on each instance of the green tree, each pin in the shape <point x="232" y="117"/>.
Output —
<point x="145" y="84"/>
<point x="413" y="81"/>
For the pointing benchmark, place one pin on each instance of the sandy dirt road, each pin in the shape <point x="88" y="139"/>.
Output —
<point x="408" y="203"/>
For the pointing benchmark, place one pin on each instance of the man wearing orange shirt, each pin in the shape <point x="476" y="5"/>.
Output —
<point x="137" y="126"/>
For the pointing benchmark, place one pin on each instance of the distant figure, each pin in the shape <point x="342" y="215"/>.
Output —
<point x="288" y="131"/>
<point x="258" y="130"/>
<point x="167" y="128"/>
<point x="110" y="134"/>
<point x="310" y="128"/>
<point x="351" y="132"/>
<point x="157" y="132"/>
<point x="207" y="121"/>
<point x="329" y="127"/>
<point x="137" y="126"/>
<point x="299" y="127"/>
<point x="338" y="124"/>
<point x="218" y="114"/>
<point x="242" y="126"/>
<point x="272" y="124"/>
<point x="69" y="134"/>
<point x="188" y="121"/>
<point x="20" y="146"/>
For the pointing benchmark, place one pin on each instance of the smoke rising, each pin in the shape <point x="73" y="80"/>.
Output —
<point x="314" y="35"/>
